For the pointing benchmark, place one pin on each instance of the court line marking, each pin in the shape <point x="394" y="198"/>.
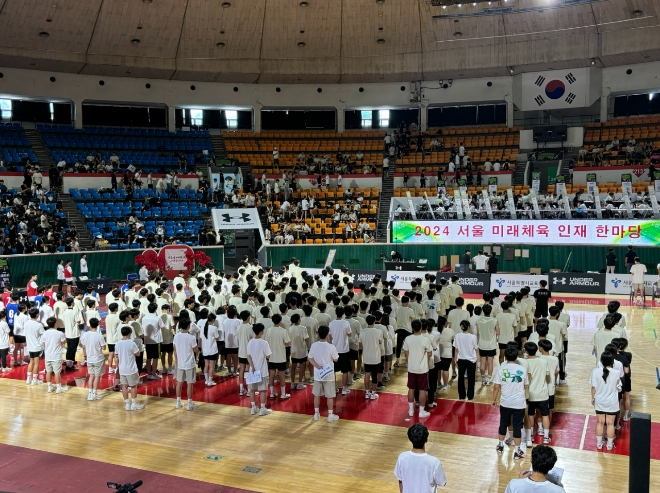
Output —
<point x="584" y="432"/>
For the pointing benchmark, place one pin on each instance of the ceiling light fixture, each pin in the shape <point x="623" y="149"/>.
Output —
<point x="511" y="70"/>
<point x="637" y="13"/>
<point x="44" y="34"/>
<point x="135" y="41"/>
<point x="225" y="5"/>
<point x="380" y="2"/>
<point x="593" y="62"/>
<point x="304" y="4"/>
<point x="301" y="44"/>
<point x="220" y="44"/>
<point x="458" y="34"/>
<point x="380" y="41"/>
<point x="147" y="1"/>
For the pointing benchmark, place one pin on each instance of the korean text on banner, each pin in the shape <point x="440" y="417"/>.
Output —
<point x="636" y="232"/>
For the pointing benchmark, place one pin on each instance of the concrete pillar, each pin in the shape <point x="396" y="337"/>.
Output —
<point x="341" y="124"/>
<point x="604" y="103"/>
<point x="509" y="110"/>
<point x="171" y="120"/>
<point x="256" y="119"/>
<point x="423" y="117"/>
<point x="77" y="113"/>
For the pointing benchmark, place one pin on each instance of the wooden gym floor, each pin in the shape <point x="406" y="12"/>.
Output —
<point x="63" y="442"/>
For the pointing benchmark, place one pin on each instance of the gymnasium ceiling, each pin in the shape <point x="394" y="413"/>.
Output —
<point x="327" y="41"/>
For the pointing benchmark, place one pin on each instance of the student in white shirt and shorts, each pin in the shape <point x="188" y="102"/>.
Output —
<point x="258" y="353"/>
<point x="185" y="346"/>
<point x="322" y="353"/>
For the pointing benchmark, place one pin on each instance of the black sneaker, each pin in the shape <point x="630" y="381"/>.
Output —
<point x="500" y="448"/>
<point x="380" y="386"/>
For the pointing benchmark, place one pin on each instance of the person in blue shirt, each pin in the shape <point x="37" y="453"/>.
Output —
<point x="12" y="311"/>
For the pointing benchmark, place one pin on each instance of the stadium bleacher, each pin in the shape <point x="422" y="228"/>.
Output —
<point x="151" y="149"/>
<point x="14" y="145"/>
<point x="645" y="129"/>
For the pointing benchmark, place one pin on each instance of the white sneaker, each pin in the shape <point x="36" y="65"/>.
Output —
<point x="539" y="431"/>
<point x="609" y="447"/>
<point x="254" y="410"/>
<point x="242" y="392"/>
<point x="50" y="388"/>
<point x="373" y="396"/>
<point x="301" y="386"/>
<point x="530" y="444"/>
<point x="61" y="390"/>
<point x="128" y="406"/>
<point x="367" y="394"/>
<point x="36" y="382"/>
<point x="137" y="407"/>
<point x="264" y="411"/>
<point x="98" y="397"/>
<point x="599" y="446"/>
<point x="432" y="405"/>
<point x="332" y="418"/>
<point x="191" y="406"/>
<point x="345" y="391"/>
<point x="90" y="397"/>
<point x="211" y="383"/>
<point x="179" y="405"/>
<point x="424" y="414"/>
<point x="170" y="371"/>
<point x="509" y="442"/>
<point x="316" y="417"/>
<point x="112" y="370"/>
<point x="411" y="413"/>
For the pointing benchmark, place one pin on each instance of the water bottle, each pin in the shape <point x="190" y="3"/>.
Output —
<point x="99" y="276"/>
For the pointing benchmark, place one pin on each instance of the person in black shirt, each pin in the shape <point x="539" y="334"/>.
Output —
<point x="542" y="296"/>
<point x="465" y="262"/>
<point x="630" y="258"/>
<point x="492" y="264"/>
<point x="610" y="261"/>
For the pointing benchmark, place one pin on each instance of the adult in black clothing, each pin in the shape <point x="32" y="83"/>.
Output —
<point x="492" y="264"/>
<point x="542" y="296"/>
<point x="465" y="262"/>
<point x="293" y="295"/>
<point x="610" y="261"/>
<point x="630" y="258"/>
<point x="422" y="180"/>
<point x="113" y="180"/>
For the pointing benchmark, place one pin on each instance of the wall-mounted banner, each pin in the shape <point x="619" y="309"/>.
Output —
<point x="470" y="283"/>
<point x="576" y="282"/>
<point x="513" y="282"/>
<point x="638" y="232"/>
<point x="622" y="284"/>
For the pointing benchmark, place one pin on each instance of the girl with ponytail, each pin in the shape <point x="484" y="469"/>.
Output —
<point x="605" y="387"/>
<point x="208" y="337"/>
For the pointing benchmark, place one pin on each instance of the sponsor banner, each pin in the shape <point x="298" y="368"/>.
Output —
<point x="513" y="282"/>
<point x="365" y="277"/>
<point x="536" y="181"/>
<point x="5" y="278"/>
<point x="236" y="219"/>
<point x="492" y="184"/>
<point x="403" y="278"/>
<point x="471" y="283"/>
<point x="102" y="284"/>
<point x="636" y="232"/>
<point x="576" y="282"/>
<point x="622" y="284"/>
<point x="626" y="183"/>
<point x="591" y="183"/>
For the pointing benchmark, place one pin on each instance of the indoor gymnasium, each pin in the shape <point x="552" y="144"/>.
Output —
<point x="269" y="246"/>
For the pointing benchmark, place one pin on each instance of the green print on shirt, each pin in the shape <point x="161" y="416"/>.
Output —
<point x="508" y="377"/>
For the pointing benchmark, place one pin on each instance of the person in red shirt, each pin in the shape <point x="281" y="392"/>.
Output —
<point x="32" y="287"/>
<point x="68" y="275"/>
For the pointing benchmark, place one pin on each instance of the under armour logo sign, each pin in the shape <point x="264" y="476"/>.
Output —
<point x="228" y="217"/>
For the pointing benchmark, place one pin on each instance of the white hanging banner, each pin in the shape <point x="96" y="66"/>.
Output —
<point x="536" y="181"/>
<point x="626" y="183"/>
<point x="492" y="184"/>
<point x="591" y="184"/>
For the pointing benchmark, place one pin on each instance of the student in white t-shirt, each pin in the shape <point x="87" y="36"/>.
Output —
<point x="340" y="330"/>
<point x="511" y="379"/>
<point x="298" y="335"/>
<point x="54" y="341"/>
<point x="185" y="346"/>
<point x="93" y="345"/>
<point x="208" y="340"/>
<point x="322" y="354"/>
<point x="544" y="459"/>
<point x="638" y="270"/>
<point x="258" y="354"/>
<point x="229" y="327"/>
<point x="417" y="471"/>
<point x="465" y="358"/>
<point x="4" y="341"/>
<point x="605" y="387"/>
<point x="126" y="351"/>
<point x="33" y="331"/>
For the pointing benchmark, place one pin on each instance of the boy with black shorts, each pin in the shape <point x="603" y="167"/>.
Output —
<point x="542" y="297"/>
<point x="278" y="340"/>
<point x="93" y="345"/>
<point x="167" y="344"/>
<point x="545" y="347"/>
<point x="33" y="331"/>
<point x="372" y="345"/>
<point x="244" y="333"/>
<point x="512" y="380"/>
<point x="538" y="371"/>
<point x="185" y="345"/>
<point x="152" y="326"/>
<point x="322" y="353"/>
<point x="340" y="331"/>
<point x="19" y="335"/>
<point x="299" y="336"/>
